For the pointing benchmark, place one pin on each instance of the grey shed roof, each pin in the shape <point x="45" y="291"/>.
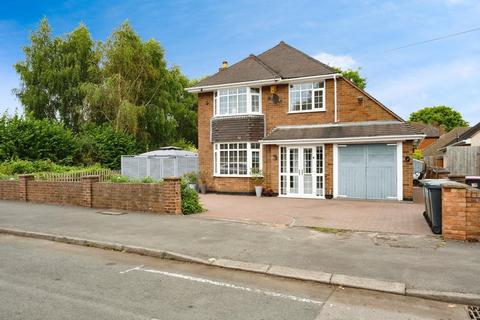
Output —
<point x="280" y="62"/>
<point x="169" y="152"/>
<point x="346" y="130"/>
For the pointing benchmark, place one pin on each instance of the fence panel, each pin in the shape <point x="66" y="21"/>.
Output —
<point x="463" y="161"/>
<point x="104" y="174"/>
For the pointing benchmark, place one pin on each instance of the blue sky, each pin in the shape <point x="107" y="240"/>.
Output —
<point x="198" y="35"/>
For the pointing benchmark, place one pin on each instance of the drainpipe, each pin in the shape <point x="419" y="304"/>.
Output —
<point x="335" y="96"/>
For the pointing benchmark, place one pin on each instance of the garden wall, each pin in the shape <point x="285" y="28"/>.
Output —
<point x="152" y="197"/>
<point x="460" y="212"/>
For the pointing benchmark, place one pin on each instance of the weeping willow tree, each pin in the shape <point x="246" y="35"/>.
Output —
<point x="136" y="93"/>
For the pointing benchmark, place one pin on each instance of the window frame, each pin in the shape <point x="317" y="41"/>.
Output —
<point x="216" y="103"/>
<point x="249" y="149"/>
<point x="313" y="90"/>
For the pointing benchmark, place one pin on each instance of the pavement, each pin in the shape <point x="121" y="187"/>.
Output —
<point x="363" y="215"/>
<point x="420" y="262"/>
<point x="48" y="280"/>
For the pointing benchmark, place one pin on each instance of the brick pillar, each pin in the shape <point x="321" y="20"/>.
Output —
<point x="172" y="195"/>
<point x="23" y="185"/>
<point x="87" y="190"/>
<point x="472" y="212"/>
<point x="454" y="218"/>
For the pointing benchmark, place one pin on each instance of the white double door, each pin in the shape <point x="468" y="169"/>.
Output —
<point x="303" y="171"/>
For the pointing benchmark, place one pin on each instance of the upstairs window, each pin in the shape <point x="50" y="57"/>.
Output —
<point x="306" y="97"/>
<point x="238" y="101"/>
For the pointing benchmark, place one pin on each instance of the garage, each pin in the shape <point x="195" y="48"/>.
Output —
<point x="367" y="171"/>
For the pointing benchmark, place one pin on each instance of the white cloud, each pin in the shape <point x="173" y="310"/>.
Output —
<point x="343" y="62"/>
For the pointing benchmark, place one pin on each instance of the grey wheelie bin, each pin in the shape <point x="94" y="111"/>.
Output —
<point x="432" y="193"/>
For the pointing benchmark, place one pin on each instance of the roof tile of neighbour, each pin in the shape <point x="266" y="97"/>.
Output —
<point x="429" y="130"/>
<point x="445" y="139"/>
<point x="279" y="62"/>
<point x="470" y="132"/>
<point x="350" y="130"/>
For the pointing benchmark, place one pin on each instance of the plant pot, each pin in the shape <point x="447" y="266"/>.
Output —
<point x="203" y="188"/>
<point x="258" y="191"/>
<point x="329" y="196"/>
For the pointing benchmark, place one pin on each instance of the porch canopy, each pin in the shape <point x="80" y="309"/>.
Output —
<point x="343" y="132"/>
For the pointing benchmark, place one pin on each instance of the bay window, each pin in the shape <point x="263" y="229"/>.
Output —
<point x="236" y="159"/>
<point x="306" y="97"/>
<point x="238" y="101"/>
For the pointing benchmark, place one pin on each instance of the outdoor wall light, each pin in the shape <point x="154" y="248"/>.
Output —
<point x="275" y="157"/>
<point x="407" y="159"/>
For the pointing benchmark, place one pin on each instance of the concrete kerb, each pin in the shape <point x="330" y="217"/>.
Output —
<point x="272" y="270"/>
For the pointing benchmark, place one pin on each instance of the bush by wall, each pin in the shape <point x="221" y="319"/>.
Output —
<point x="32" y="139"/>
<point x="190" y="200"/>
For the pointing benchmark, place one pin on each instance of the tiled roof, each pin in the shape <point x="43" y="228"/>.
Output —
<point x="280" y="62"/>
<point x="429" y="130"/>
<point x="444" y="140"/>
<point x="348" y="130"/>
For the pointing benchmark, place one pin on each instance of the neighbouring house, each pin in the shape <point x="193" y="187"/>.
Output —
<point x="470" y="137"/>
<point x="433" y="154"/>
<point x="313" y="133"/>
<point x="431" y="133"/>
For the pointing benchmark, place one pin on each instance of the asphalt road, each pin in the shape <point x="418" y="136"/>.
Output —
<point x="47" y="280"/>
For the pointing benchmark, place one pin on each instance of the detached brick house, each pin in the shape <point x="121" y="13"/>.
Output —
<point x="313" y="133"/>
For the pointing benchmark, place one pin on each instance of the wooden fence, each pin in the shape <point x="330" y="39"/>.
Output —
<point x="76" y="176"/>
<point x="463" y="161"/>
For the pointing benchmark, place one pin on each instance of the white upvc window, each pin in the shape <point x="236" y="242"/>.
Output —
<point x="238" y="101"/>
<point x="237" y="158"/>
<point x="307" y="97"/>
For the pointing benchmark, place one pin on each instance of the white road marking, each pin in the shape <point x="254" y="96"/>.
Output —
<point x="227" y="285"/>
<point x="132" y="269"/>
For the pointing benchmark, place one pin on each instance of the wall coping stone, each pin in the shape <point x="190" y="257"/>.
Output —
<point x="172" y="178"/>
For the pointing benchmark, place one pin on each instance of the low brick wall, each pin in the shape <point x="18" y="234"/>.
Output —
<point x="460" y="212"/>
<point x="153" y="197"/>
<point x="9" y="190"/>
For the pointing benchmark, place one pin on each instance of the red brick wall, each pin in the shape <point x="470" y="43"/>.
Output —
<point x="65" y="193"/>
<point x="128" y="196"/>
<point x="9" y="190"/>
<point x="460" y="212"/>
<point x="162" y="198"/>
<point x="407" y="150"/>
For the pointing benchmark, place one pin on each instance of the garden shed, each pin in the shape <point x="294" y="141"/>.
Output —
<point x="158" y="164"/>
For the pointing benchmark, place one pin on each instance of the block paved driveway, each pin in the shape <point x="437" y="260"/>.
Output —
<point x="377" y="216"/>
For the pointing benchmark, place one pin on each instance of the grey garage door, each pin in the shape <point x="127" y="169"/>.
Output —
<point x="367" y="171"/>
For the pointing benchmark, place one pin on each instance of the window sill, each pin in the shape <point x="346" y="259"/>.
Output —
<point x="238" y="115"/>
<point x="306" y="111"/>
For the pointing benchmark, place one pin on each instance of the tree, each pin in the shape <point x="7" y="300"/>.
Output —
<point x="354" y="76"/>
<point x="53" y="73"/>
<point x="135" y="92"/>
<point x="439" y="115"/>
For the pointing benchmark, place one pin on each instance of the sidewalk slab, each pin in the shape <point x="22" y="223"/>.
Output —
<point x="421" y="262"/>
<point x="370" y="284"/>
<point x="317" y="276"/>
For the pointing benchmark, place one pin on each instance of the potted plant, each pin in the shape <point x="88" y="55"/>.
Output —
<point x="202" y="176"/>
<point x="191" y="178"/>
<point x="257" y="179"/>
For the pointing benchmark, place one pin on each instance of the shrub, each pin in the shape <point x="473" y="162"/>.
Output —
<point x="418" y="154"/>
<point x="191" y="177"/>
<point x="190" y="200"/>
<point x="103" y="144"/>
<point x="33" y="139"/>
